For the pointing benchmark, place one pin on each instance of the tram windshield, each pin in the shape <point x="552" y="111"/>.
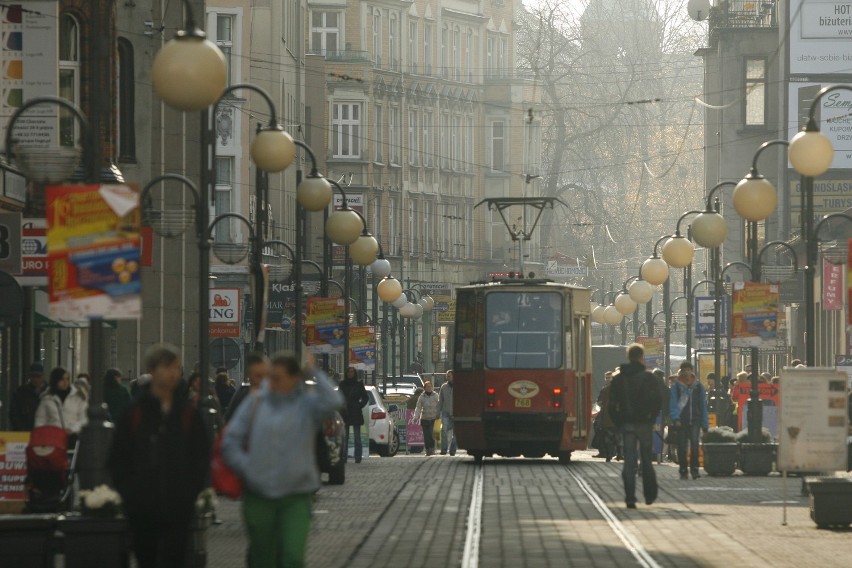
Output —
<point x="524" y="330"/>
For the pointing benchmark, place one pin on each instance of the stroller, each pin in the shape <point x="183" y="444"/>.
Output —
<point x="50" y="472"/>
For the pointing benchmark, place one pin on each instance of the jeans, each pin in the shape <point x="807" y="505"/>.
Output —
<point x="278" y="529"/>
<point x="428" y="438"/>
<point x="637" y="446"/>
<point x="688" y="437"/>
<point x="448" y="434"/>
<point x="356" y="431"/>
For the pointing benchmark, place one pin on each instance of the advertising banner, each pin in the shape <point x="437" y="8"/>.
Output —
<point x="835" y="123"/>
<point x="832" y="284"/>
<point x="817" y="29"/>
<point x="705" y="321"/>
<point x="707" y="365"/>
<point x="94" y="252"/>
<point x="225" y="312"/>
<point x="325" y="325"/>
<point x="13" y="465"/>
<point x="655" y="351"/>
<point x="362" y="347"/>
<point x="813" y="420"/>
<point x="755" y="315"/>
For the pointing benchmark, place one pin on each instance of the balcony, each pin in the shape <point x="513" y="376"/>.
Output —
<point x="345" y="56"/>
<point x="748" y="14"/>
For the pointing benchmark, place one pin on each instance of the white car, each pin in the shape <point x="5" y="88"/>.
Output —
<point x="382" y="430"/>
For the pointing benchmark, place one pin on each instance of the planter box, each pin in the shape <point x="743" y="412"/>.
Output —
<point x="758" y="459"/>
<point x="26" y="540"/>
<point x="720" y="459"/>
<point x="831" y="501"/>
<point x="196" y="552"/>
<point x="95" y="542"/>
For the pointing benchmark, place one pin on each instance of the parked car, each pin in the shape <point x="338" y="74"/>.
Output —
<point x="410" y="379"/>
<point x="382" y="430"/>
<point x="404" y="390"/>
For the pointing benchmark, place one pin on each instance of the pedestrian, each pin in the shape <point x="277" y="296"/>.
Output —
<point x="62" y="404"/>
<point x="634" y="403"/>
<point x="116" y="395"/>
<point x="688" y="405"/>
<point x="606" y="435"/>
<point x="271" y="444"/>
<point x="411" y="403"/>
<point x="426" y="412"/>
<point x="224" y="389"/>
<point x="356" y="398"/>
<point x="445" y="407"/>
<point x="137" y="384"/>
<point x="25" y="400"/>
<point x="257" y="369"/>
<point x="159" y="461"/>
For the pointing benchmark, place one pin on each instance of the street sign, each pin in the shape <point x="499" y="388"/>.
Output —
<point x="441" y="307"/>
<point x="10" y="242"/>
<point x="705" y="322"/>
<point x="34" y="263"/>
<point x="553" y="268"/>
<point x="286" y="323"/>
<point x="707" y="343"/>
<point x="225" y="314"/>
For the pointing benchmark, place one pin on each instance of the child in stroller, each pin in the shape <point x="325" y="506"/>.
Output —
<point x="50" y="474"/>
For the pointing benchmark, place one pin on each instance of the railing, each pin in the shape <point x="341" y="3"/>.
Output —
<point x="744" y="14"/>
<point x="345" y="56"/>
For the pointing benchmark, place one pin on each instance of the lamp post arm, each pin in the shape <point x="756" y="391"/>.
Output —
<point x="673" y="302"/>
<point x="812" y="110"/>
<point x="273" y="113"/>
<point x="75" y="110"/>
<point x="764" y="146"/>
<point x="694" y="288"/>
<point x="827" y="218"/>
<point x="732" y="264"/>
<point x="657" y="244"/>
<point x="173" y="177"/>
<point x="782" y="244"/>
<point x="287" y="247"/>
<point x="716" y="188"/>
<point x="223" y="216"/>
<point x="629" y="281"/>
<point x="684" y="216"/>
<point x="311" y="155"/>
<point x="342" y="192"/>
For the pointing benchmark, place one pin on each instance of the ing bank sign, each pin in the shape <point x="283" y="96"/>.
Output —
<point x="225" y="313"/>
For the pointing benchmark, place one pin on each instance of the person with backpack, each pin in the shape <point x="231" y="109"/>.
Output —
<point x="634" y="403"/>
<point x="688" y="407"/>
<point x="356" y="398"/>
<point x="159" y="461"/>
<point x="270" y="443"/>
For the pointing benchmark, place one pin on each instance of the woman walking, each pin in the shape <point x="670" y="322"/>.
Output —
<point x="62" y="404"/>
<point x="427" y="411"/>
<point x="271" y="444"/>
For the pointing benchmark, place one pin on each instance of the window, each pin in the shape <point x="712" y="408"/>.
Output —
<point x="445" y="141"/>
<point x="445" y="38"/>
<point x="412" y="47"/>
<point x="467" y="144"/>
<point x="413" y="139"/>
<point x="427" y="139"/>
<point x="412" y="239"/>
<point x="427" y="48"/>
<point x="755" y="94"/>
<point x="532" y="148"/>
<point x="427" y="227"/>
<point x="325" y="31"/>
<point x="377" y="37"/>
<point x="69" y="77"/>
<point x="393" y="241"/>
<point x="524" y="330"/>
<point x="446" y="227"/>
<point x="455" y="142"/>
<point x="489" y="57"/>
<point x="469" y="56"/>
<point x="225" y="41"/>
<point x="393" y="42"/>
<point x="346" y="130"/>
<point x="394" y="136"/>
<point x="380" y="135"/>
<point x="224" y="195"/>
<point x="498" y="146"/>
<point x="376" y="224"/>
<point x="502" y="56"/>
<point x="126" y="102"/>
<point x="457" y="49"/>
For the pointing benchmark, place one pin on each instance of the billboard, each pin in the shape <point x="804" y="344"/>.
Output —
<point x="225" y="312"/>
<point x="755" y="315"/>
<point x="819" y="34"/>
<point x="834" y="120"/>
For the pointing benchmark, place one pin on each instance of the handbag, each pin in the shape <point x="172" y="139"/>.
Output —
<point x="225" y="480"/>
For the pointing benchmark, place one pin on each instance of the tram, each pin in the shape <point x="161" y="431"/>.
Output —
<point x="522" y="365"/>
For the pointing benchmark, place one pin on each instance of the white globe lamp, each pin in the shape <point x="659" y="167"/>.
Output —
<point x="640" y="291"/>
<point x="272" y="149"/>
<point x="389" y="289"/>
<point x="811" y="153"/>
<point x="314" y="193"/>
<point x="189" y="72"/>
<point x="654" y="271"/>
<point x="755" y="198"/>
<point x="709" y="229"/>
<point x="612" y="316"/>
<point x="624" y="304"/>
<point x="363" y="252"/>
<point x="344" y="227"/>
<point x="401" y="301"/>
<point x="678" y="252"/>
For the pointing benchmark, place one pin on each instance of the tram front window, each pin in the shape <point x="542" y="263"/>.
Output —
<point x="524" y="330"/>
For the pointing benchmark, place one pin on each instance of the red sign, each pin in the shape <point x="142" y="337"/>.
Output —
<point x="13" y="465"/>
<point x="225" y="315"/>
<point x="832" y="284"/>
<point x="768" y="391"/>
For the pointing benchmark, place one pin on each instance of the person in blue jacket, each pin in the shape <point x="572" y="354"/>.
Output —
<point x="688" y="407"/>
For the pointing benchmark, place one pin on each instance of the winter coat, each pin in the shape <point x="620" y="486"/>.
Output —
<point x="694" y="411"/>
<point x="634" y="396"/>
<point x="428" y="406"/>
<point x="160" y="462"/>
<point x="22" y="411"/>
<point x="356" y="398"/>
<point x="445" y="399"/>
<point x="73" y="411"/>
<point x="238" y="397"/>
<point x="225" y="393"/>
<point x="117" y="399"/>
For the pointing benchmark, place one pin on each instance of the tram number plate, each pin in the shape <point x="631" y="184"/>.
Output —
<point x="523" y="402"/>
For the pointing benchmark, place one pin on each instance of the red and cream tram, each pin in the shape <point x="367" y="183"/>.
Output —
<point x="522" y="363"/>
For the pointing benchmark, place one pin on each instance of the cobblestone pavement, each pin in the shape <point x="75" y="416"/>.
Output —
<point x="412" y="511"/>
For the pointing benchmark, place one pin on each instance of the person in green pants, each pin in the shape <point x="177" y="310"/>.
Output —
<point x="271" y="444"/>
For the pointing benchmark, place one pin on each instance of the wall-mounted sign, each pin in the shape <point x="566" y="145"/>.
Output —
<point x="225" y="312"/>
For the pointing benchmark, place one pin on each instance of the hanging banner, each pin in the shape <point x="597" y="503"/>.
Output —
<point x="362" y="347"/>
<point x="325" y="325"/>
<point x="813" y="421"/>
<point x="755" y="315"/>
<point x="832" y="284"/>
<point x="655" y="351"/>
<point x="93" y="247"/>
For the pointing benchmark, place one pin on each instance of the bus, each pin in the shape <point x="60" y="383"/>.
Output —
<point x="522" y="367"/>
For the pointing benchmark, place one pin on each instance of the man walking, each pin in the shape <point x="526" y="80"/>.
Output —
<point x="426" y="413"/>
<point x="445" y="404"/>
<point x="689" y="412"/>
<point x="356" y="398"/>
<point x="25" y="400"/>
<point x="634" y="403"/>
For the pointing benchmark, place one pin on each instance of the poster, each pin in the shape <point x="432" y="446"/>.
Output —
<point x="655" y="351"/>
<point x="843" y="363"/>
<point x="325" y="325"/>
<point x="755" y="315"/>
<point x="410" y="432"/>
<point x="818" y="34"/>
<point x="94" y="252"/>
<point x="362" y="347"/>
<point x="813" y="420"/>
<point x="13" y="465"/>
<point x="832" y="284"/>
<point x="225" y="312"/>
<point x="707" y="365"/>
